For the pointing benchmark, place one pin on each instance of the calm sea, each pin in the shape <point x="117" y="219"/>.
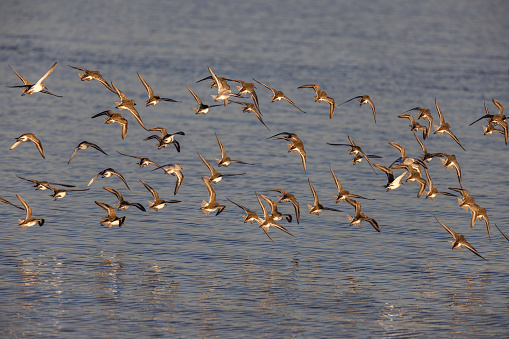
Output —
<point x="180" y="273"/>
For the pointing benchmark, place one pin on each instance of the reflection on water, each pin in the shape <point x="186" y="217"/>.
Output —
<point x="278" y="296"/>
<point x="471" y="293"/>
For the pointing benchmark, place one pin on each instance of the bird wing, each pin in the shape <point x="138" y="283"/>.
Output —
<point x="19" y="76"/>
<point x="370" y="102"/>
<point x="127" y="155"/>
<point x="137" y="116"/>
<point x="209" y="166"/>
<point x="27" y="207"/>
<point x="147" y="87"/>
<point x="108" y="208"/>
<point x="440" y="115"/>
<point x="373" y="223"/>
<point x="355" y="204"/>
<point x="266" y="86"/>
<point x="180" y="178"/>
<point x="92" y="180"/>
<point x="47" y="74"/>
<point x="10" y="203"/>
<point x="114" y="191"/>
<point x="37" y="143"/>
<point x="96" y="147"/>
<point x="315" y="196"/>
<point x="210" y="190"/>
<point x="223" y="151"/>
<point x="151" y="190"/>
<point x="336" y="180"/>
<point x="264" y="210"/>
<point x="247" y="210"/>
<point x="272" y="203"/>
<point x="359" y="96"/>
<point x="121" y="178"/>
<point x="451" y="232"/>
<point x="472" y="249"/>
<point x="73" y="154"/>
<point x="400" y="148"/>
<point x="454" y="138"/>
<point x="195" y="96"/>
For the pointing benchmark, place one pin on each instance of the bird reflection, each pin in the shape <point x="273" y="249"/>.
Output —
<point x="110" y="274"/>
<point x="471" y="294"/>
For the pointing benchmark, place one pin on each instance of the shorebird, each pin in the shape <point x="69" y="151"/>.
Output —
<point x="111" y="219"/>
<point x="505" y="236"/>
<point x="143" y="161"/>
<point x="59" y="193"/>
<point x="268" y="221"/>
<point x="248" y="88"/>
<point x="406" y="160"/>
<point x="115" y="117"/>
<point x="152" y="99"/>
<point x="215" y="176"/>
<point x="322" y="96"/>
<point x="479" y="213"/>
<point x="359" y="216"/>
<point x="289" y="197"/>
<point x="212" y="204"/>
<point x="426" y="156"/>
<point x="158" y="203"/>
<point x="358" y="157"/>
<point x="392" y="183"/>
<point x="414" y="125"/>
<point x="342" y="193"/>
<point x="29" y="137"/>
<point x="202" y="109"/>
<point x="19" y="207"/>
<point x="363" y="99"/>
<point x="424" y="113"/>
<point x="43" y="185"/>
<point x="223" y="89"/>
<point x="497" y="119"/>
<point x="106" y="174"/>
<point x="226" y="160"/>
<point x="433" y="192"/>
<point x="176" y="170"/>
<point x="449" y="161"/>
<point x="91" y="75"/>
<point x="415" y="175"/>
<point x="459" y="240"/>
<point x="444" y="126"/>
<point x="214" y="80"/>
<point x="29" y="219"/>
<point x="354" y="149"/>
<point x="29" y="89"/>
<point x="296" y="146"/>
<point x="127" y="104"/>
<point x="84" y="145"/>
<point x="466" y="201"/>
<point x="278" y="95"/>
<point x="165" y="138"/>
<point x="250" y="107"/>
<point x="317" y="208"/>
<point x="250" y="215"/>
<point x="488" y="130"/>
<point x="276" y="215"/>
<point x="123" y="204"/>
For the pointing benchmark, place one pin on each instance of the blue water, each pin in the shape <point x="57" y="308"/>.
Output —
<point x="180" y="273"/>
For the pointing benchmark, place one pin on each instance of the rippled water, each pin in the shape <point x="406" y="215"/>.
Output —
<point x="180" y="273"/>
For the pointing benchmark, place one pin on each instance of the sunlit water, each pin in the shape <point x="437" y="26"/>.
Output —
<point x="180" y="273"/>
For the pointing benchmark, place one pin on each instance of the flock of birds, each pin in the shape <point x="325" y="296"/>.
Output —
<point x="414" y="169"/>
